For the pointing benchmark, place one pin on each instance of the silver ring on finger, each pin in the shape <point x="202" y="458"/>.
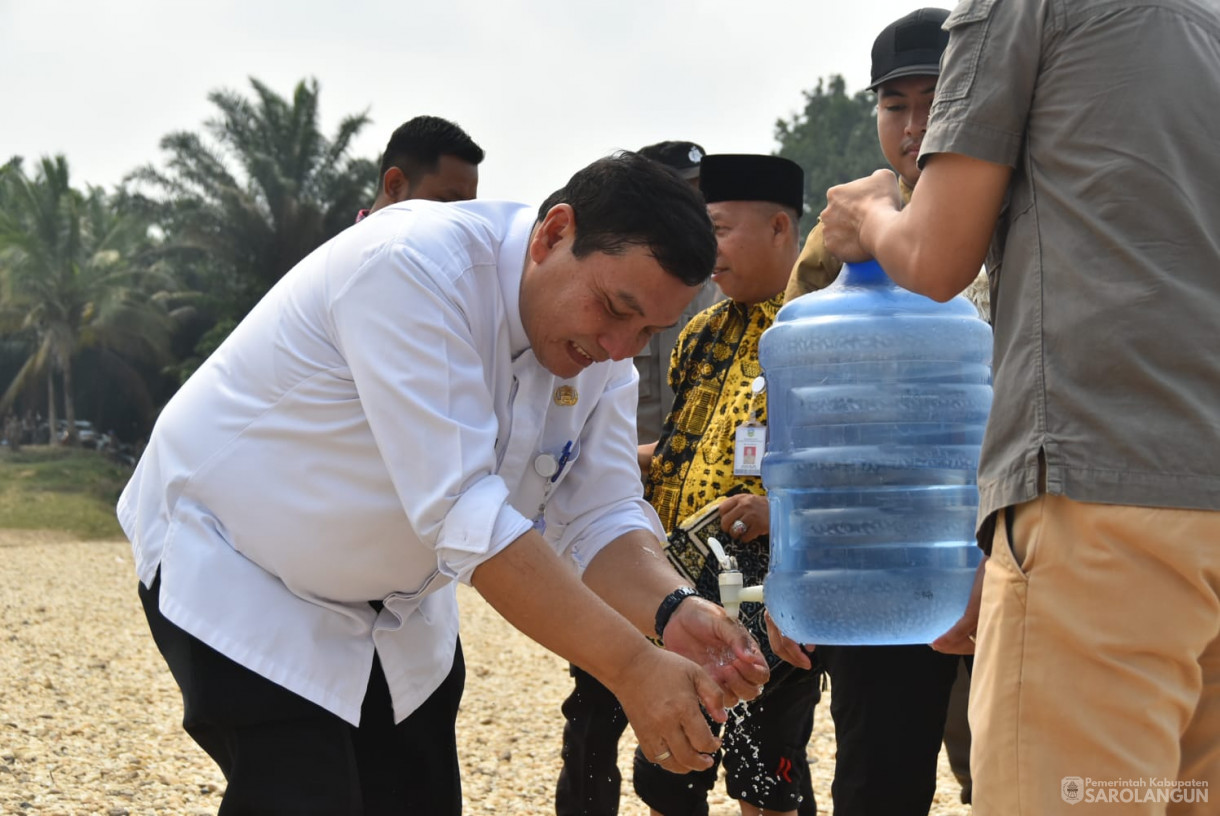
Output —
<point x="738" y="529"/>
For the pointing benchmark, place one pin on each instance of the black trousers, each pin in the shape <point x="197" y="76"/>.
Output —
<point x="889" y="705"/>
<point x="589" y="780"/>
<point x="282" y="754"/>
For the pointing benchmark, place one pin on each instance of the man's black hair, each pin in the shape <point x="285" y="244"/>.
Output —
<point x="418" y="144"/>
<point x="627" y="200"/>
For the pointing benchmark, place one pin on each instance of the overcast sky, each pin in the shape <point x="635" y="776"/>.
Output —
<point x="544" y="87"/>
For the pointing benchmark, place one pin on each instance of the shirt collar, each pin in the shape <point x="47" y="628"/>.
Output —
<point x="511" y="269"/>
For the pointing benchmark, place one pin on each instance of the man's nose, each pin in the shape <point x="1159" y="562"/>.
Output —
<point x="621" y="344"/>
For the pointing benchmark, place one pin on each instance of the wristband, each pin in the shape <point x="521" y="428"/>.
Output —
<point x="666" y="610"/>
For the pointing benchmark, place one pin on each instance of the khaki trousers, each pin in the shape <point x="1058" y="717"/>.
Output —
<point x="1096" y="683"/>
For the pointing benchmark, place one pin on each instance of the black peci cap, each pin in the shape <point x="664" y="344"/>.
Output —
<point x="738" y="177"/>
<point x="684" y="157"/>
<point x="911" y="46"/>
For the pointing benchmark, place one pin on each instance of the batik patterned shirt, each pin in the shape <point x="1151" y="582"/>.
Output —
<point x="711" y="372"/>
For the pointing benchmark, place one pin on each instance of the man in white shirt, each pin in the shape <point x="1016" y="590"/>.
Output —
<point x="443" y="394"/>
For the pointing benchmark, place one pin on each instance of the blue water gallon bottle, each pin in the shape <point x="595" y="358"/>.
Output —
<point x="876" y="400"/>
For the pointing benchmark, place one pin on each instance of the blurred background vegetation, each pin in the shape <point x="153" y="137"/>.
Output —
<point x="111" y="298"/>
<point x="61" y="488"/>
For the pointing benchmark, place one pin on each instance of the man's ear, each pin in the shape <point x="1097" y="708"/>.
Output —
<point x="782" y="224"/>
<point x="558" y="225"/>
<point x="395" y="186"/>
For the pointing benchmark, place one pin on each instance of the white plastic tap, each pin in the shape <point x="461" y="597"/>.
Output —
<point x="731" y="580"/>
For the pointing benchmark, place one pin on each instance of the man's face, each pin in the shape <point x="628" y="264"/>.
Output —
<point x="902" y="119"/>
<point x="580" y="311"/>
<point x="750" y="262"/>
<point x="453" y="180"/>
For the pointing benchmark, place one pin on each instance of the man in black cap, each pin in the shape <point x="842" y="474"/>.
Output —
<point x="890" y="703"/>
<point x="589" y="780"/>
<point x="704" y="478"/>
<point x="684" y="158"/>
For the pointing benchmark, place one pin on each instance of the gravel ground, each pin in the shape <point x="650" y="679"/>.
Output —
<point x="89" y="715"/>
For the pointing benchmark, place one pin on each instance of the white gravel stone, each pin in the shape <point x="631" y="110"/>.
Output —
<point x="89" y="715"/>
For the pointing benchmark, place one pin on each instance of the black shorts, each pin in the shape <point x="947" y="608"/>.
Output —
<point x="763" y="754"/>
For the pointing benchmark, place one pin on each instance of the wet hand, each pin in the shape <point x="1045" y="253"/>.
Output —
<point x="664" y="697"/>
<point x="703" y="632"/>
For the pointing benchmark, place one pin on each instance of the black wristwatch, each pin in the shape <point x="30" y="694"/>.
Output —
<point x="666" y="610"/>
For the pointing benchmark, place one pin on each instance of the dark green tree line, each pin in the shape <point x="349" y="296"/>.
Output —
<point x="256" y="191"/>
<point x="140" y="284"/>
<point x="75" y="275"/>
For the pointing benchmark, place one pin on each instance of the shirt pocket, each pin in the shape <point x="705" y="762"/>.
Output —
<point x="968" y="26"/>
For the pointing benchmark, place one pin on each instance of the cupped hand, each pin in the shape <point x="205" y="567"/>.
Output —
<point x="664" y="696"/>
<point x="703" y="632"/>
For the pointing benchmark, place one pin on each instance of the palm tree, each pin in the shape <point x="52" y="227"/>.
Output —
<point x="266" y="189"/>
<point x="73" y="279"/>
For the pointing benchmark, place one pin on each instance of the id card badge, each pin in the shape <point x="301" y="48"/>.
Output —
<point x="748" y="449"/>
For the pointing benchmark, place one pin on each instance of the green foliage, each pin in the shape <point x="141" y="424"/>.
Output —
<point x="44" y="488"/>
<point x="254" y="193"/>
<point x="834" y="138"/>
<point x="209" y="342"/>
<point x="75" y="275"/>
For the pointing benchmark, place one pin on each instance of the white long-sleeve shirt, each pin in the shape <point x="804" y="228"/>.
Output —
<point x="372" y="431"/>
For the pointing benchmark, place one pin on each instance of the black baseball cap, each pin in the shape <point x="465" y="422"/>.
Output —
<point x="738" y="177"/>
<point x="910" y="46"/>
<point x="684" y="157"/>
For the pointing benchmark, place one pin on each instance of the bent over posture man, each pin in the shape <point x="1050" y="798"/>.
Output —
<point x="443" y="393"/>
<point x="590" y="780"/>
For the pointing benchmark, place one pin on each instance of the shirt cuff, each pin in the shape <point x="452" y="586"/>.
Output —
<point x="480" y="524"/>
<point x="633" y="514"/>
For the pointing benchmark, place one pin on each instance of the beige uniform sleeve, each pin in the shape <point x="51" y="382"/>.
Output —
<point x="815" y="268"/>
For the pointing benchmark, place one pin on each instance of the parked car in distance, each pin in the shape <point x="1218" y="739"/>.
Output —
<point x="84" y="431"/>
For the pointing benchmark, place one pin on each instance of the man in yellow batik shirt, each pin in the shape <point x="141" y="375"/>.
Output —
<point x="710" y="453"/>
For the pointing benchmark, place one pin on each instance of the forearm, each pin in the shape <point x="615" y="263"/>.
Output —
<point x="893" y="238"/>
<point x="632" y="574"/>
<point x="938" y="242"/>
<point x="541" y="596"/>
<point x="934" y="245"/>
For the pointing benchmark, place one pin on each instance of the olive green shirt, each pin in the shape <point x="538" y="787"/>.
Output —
<point x="1106" y="260"/>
